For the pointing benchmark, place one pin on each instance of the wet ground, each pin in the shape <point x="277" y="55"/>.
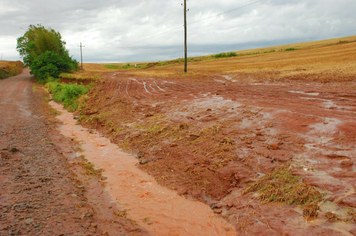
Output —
<point x="203" y="136"/>
<point x="159" y="210"/>
<point x="210" y="137"/>
<point x="44" y="189"/>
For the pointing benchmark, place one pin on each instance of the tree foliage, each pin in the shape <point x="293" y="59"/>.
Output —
<point x="44" y="52"/>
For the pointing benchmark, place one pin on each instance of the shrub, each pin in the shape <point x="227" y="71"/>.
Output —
<point x="44" y="52"/>
<point x="224" y="54"/>
<point x="49" y="64"/>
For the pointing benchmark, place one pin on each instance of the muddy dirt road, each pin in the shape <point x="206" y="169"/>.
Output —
<point x="39" y="192"/>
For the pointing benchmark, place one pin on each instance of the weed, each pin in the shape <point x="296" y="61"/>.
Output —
<point x="90" y="168"/>
<point x="351" y="215"/>
<point x="82" y="101"/>
<point x="311" y="210"/>
<point x="54" y="112"/>
<point x="121" y="214"/>
<point x="331" y="217"/>
<point x="224" y="54"/>
<point x="281" y="185"/>
<point x="148" y="221"/>
<point x="67" y="93"/>
<point x="291" y="49"/>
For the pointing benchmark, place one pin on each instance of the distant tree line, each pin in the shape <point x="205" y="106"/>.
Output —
<point x="44" y="52"/>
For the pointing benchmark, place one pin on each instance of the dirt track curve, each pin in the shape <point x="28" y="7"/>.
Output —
<point x="39" y="194"/>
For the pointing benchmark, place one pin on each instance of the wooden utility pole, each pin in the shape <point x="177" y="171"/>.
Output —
<point x="81" y="55"/>
<point x="185" y="37"/>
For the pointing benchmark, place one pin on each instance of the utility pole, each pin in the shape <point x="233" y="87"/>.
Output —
<point x="81" y="55"/>
<point x="185" y="37"/>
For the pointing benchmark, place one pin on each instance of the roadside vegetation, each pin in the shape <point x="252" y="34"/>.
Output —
<point x="68" y="94"/>
<point x="43" y="50"/>
<point x="10" y="68"/>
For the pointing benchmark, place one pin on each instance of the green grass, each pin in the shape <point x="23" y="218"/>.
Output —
<point x="112" y="66"/>
<point x="67" y="93"/>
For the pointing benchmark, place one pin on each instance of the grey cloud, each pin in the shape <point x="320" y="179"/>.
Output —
<point x="117" y="30"/>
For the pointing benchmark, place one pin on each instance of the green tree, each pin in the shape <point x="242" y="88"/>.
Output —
<point x="44" y="52"/>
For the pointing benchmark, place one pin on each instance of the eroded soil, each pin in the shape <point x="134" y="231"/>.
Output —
<point x="162" y="212"/>
<point x="210" y="136"/>
<point x="44" y="188"/>
<point x="207" y="135"/>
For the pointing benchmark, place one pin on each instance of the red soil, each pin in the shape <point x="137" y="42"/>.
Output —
<point x="210" y="136"/>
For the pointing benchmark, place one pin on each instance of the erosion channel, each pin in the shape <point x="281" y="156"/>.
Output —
<point x="160" y="210"/>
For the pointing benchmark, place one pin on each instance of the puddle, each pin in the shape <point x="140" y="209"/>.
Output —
<point x="145" y="87"/>
<point x="227" y="77"/>
<point x="327" y="127"/>
<point x="304" y="93"/>
<point x="160" y="210"/>
<point x="341" y="227"/>
<point x="159" y="87"/>
<point x="214" y="102"/>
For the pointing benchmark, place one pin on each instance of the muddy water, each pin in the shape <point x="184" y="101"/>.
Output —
<point x="158" y="209"/>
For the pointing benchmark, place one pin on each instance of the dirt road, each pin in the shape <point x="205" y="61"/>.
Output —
<point x="39" y="194"/>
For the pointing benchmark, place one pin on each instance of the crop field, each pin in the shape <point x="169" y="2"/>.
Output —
<point x="266" y="137"/>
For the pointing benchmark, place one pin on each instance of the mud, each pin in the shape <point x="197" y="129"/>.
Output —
<point x="210" y="136"/>
<point x="43" y="190"/>
<point x="158" y="209"/>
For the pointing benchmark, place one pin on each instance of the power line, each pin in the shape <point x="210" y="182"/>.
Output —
<point x="179" y="27"/>
<point x="223" y="13"/>
<point x="153" y="36"/>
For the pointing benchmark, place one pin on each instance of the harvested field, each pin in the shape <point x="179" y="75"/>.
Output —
<point x="224" y="131"/>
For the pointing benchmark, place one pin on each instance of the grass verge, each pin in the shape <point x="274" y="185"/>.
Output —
<point x="69" y="94"/>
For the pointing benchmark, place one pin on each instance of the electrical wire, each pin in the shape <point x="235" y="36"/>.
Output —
<point x="179" y="27"/>
<point x="153" y="36"/>
<point x="223" y="13"/>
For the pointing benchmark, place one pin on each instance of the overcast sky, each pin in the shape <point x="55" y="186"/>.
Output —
<point x="134" y="30"/>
